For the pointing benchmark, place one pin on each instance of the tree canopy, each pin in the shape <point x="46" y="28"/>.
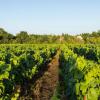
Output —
<point x="25" y="37"/>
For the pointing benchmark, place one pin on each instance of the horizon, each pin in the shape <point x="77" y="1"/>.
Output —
<point x="50" y="17"/>
<point x="57" y="34"/>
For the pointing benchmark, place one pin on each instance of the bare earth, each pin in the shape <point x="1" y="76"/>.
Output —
<point x="46" y="85"/>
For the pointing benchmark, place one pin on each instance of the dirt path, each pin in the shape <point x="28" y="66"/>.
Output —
<point x="46" y="85"/>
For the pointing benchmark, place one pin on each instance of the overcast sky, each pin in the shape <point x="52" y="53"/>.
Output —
<point x="50" y="16"/>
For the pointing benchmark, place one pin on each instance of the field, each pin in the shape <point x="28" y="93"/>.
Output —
<point x="49" y="72"/>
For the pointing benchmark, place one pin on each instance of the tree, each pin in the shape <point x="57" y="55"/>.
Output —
<point x="5" y="37"/>
<point x="22" y="37"/>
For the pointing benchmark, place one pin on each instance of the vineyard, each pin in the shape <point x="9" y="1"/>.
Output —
<point x="49" y="72"/>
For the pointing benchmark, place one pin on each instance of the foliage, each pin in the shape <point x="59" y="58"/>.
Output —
<point x="19" y="64"/>
<point x="24" y="37"/>
<point x="81" y="76"/>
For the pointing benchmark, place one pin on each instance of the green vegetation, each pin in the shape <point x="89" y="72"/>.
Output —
<point x="79" y="69"/>
<point x="80" y="72"/>
<point x="26" y="38"/>
<point x="23" y="56"/>
<point x="18" y="64"/>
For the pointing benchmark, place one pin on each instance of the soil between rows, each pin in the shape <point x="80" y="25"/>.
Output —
<point x="46" y="85"/>
<point x="43" y="86"/>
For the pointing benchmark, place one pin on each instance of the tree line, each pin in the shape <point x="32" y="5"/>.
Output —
<point x="24" y="37"/>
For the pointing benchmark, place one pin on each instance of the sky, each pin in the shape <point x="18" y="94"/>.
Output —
<point x="50" y="16"/>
